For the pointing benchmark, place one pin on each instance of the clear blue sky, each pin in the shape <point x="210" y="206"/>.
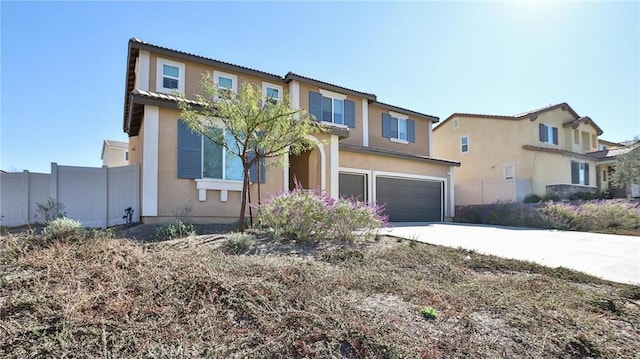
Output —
<point x="63" y="64"/>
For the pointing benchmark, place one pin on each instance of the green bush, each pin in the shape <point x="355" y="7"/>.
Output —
<point x="558" y="216"/>
<point x="504" y="213"/>
<point x="239" y="243"/>
<point x="174" y="230"/>
<point x="584" y="196"/>
<point x="532" y="198"/>
<point x="49" y="210"/>
<point x="311" y="215"/>
<point x="551" y="198"/>
<point x="62" y="228"/>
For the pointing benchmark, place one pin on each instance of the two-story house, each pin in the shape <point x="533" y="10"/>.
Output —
<point x="542" y="152"/>
<point x="373" y="151"/>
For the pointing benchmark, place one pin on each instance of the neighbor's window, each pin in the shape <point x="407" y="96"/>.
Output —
<point x="126" y="155"/>
<point x="170" y="76"/>
<point x="402" y="129"/>
<point x="548" y="134"/>
<point x="332" y="110"/>
<point x="509" y="171"/>
<point x="579" y="173"/>
<point x="464" y="144"/>
<point x="219" y="163"/>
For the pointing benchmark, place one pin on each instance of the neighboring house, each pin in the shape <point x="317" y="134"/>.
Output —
<point x="374" y="151"/>
<point x="607" y="156"/>
<point x="542" y="152"/>
<point x="115" y="153"/>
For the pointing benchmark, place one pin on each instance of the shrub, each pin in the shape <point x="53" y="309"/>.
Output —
<point x="551" y="198"/>
<point x="504" y="213"/>
<point x="176" y="229"/>
<point x="49" y="210"/>
<point x="532" y="198"/>
<point x="558" y="216"/>
<point x="238" y="243"/>
<point x="311" y="215"/>
<point x="62" y="228"/>
<point x="428" y="313"/>
<point x="584" y="196"/>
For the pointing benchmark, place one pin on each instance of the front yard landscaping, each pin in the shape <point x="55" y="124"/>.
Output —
<point x="221" y="295"/>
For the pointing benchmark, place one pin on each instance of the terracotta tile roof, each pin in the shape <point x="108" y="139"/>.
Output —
<point x="290" y="76"/>
<point x="612" y="153"/>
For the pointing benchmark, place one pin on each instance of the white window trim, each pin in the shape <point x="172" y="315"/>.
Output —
<point x="160" y="75"/>
<point x="397" y="140"/>
<point x="335" y="95"/>
<point x="504" y="171"/>
<point x="224" y="186"/>
<point x="468" y="146"/>
<point x="234" y="79"/>
<point x="400" y="116"/>
<point x="266" y="85"/>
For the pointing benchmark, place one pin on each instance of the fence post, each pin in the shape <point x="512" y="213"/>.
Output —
<point x="53" y="190"/>
<point x="25" y="197"/>
<point x="105" y="173"/>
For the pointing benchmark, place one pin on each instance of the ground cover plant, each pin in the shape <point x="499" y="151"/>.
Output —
<point x="607" y="216"/>
<point x="198" y="298"/>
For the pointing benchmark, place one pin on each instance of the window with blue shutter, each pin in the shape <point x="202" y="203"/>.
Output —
<point x="400" y="129"/>
<point x="548" y="134"/>
<point x="189" y="152"/>
<point x="335" y="110"/>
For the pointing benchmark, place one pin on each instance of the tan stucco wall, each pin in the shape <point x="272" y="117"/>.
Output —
<point x="175" y="193"/>
<point x="135" y="149"/>
<point x="420" y="147"/>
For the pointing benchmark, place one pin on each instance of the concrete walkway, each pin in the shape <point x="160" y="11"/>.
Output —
<point x="607" y="256"/>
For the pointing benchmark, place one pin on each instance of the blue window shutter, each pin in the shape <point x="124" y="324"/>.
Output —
<point x="543" y="132"/>
<point x="253" y="171"/>
<point x="189" y="152"/>
<point x="575" y="175"/>
<point x="350" y="113"/>
<point x="586" y="174"/>
<point x="386" y="125"/>
<point x="411" y="131"/>
<point x="555" y="135"/>
<point x="315" y="105"/>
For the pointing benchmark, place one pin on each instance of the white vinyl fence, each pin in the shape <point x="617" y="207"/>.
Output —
<point x="484" y="192"/>
<point x="97" y="197"/>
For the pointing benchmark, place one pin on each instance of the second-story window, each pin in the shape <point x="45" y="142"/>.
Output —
<point x="548" y="134"/>
<point x="170" y="76"/>
<point x="226" y="82"/>
<point x="330" y="107"/>
<point x="398" y="128"/>
<point x="271" y="93"/>
<point x="464" y="144"/>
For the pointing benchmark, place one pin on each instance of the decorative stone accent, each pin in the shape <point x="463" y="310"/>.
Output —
<point x="564" y="191"/>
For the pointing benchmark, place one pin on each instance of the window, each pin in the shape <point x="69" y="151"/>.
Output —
<point x="576" y="137"/>
<point x="464" y="144"/>
<point x="548" y="134"/>
<point x="226" y="81"/>
<point x="170" y="76"/>
<point x="272" y="93"/>
<point x="509" y="171"/>
<point x="604" y="176"/>
<point x="398" y="128"/>
<point x="579" y="173"/>
<point x="332" y="107"/>
<point x="218" y="163"/>
<point x="126" y="155"/>
<point x="602" y="147"/>
<point x="456" y="123"/>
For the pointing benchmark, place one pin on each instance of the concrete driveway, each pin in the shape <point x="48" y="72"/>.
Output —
<point x="607" y="256"/>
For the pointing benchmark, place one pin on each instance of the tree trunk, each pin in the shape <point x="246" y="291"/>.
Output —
<point x="243" y="204"/>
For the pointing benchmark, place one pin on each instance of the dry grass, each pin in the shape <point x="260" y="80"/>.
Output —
<point x="117" y="298"/>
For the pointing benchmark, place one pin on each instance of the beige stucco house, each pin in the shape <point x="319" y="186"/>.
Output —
<point x="607" y="155"/>
<point x="374" y="151"/>
<point x="542" y="152"/>
<point x="115" y="153"/>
